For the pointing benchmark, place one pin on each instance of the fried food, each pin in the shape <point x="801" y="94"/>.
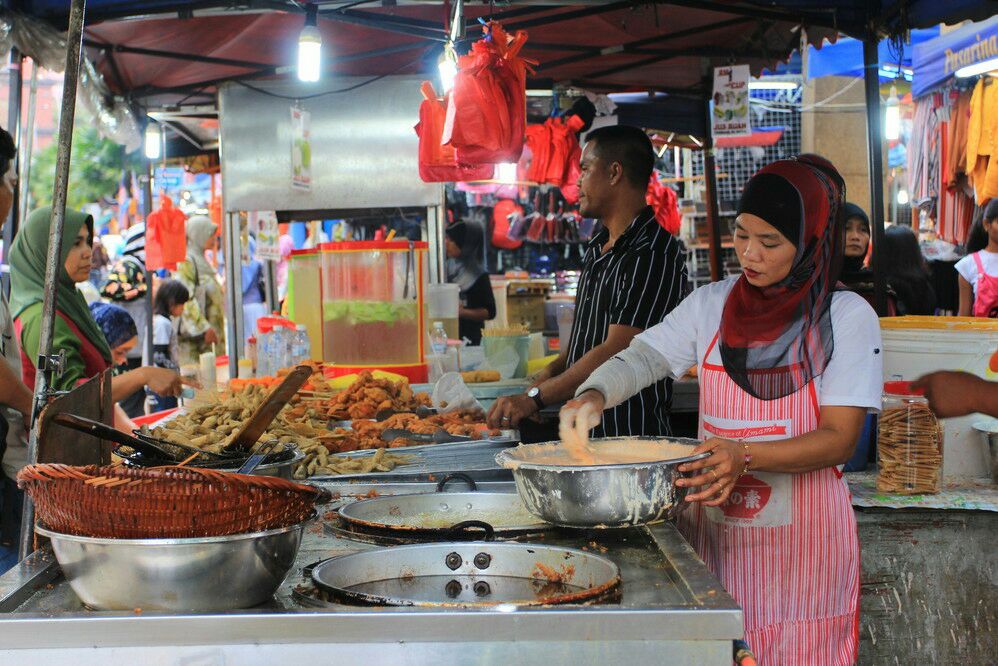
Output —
<point x="480" y="376"/>
<point x="367" y="396"/>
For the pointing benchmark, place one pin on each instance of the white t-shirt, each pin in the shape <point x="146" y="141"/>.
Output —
<point x="854" y="375"/>
<point x="164" y="332"/>
<point x="967" y="267"/>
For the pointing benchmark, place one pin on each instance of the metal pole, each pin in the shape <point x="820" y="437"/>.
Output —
<point x="44" y="376"/>
<point x="874" y="147"/>
<point x="147" y="209"/>
<point x="231" y="246"/>
<point x="16" y="85"/>
<point x="28" y="139"/>
<point x="713" y="213"/>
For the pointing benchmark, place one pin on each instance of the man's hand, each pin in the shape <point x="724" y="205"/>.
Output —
<point x="955" y="393"/>
<point x="508" y="411"/>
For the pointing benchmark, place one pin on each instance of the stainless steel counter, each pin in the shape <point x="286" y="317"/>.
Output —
<point x="671" y="609"/>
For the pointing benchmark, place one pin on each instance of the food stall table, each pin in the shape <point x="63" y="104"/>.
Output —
<point x="670" y="605"/>
<point x="928" y="572"/>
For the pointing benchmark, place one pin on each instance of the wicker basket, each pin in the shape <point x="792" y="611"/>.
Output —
<point x="162" y="502"/>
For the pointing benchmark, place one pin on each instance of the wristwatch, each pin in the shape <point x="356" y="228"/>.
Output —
<point x="535" y="395"/>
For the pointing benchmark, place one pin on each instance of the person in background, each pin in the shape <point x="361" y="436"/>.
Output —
<point x="15" y="396"/>
<point x="100" y="265"/>
<point x="76" y="332"/>
<point x="122" y="337"/>
<point x="203" y="321"/>
<point x="287" y="245"/>
<point x="125" y="286"/>
<point x="254" y="304"/>
<point x="906" y="272"/>
<point x="979" y="271"/>
<point x="464" y="268"/>
<point x="634" y="274"/>
<point x="171" y="297"/>
<point x="856" y="276"/>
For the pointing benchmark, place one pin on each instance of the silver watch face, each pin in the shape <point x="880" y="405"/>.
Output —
<point x="533" y="393"/>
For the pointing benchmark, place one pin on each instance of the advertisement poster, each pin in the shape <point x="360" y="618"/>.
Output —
<point x="268" y="235"/>
<point x="301" y="150"/>
<point x="730" y="113"/>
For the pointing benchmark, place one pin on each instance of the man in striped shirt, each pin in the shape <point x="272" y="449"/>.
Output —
<point x="634" y="274"/>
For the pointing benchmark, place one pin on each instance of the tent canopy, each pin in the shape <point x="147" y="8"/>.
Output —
<point x="936" y="60"/>
<point x="845" y="57"/>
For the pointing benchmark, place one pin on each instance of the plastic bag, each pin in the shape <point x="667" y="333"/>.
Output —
<point x="487" y="110"/>
<point x="663" y="200"/>
<point x="450" y="394"/>
<point x="437" y="162"/>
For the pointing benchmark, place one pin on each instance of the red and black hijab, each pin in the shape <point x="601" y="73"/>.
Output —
<point x="776" y="339"/>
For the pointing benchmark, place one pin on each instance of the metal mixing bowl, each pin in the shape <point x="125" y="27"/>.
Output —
<point x="989" y="431"/>
<point x="202" y="574"/>
<point x="602" y="495"/>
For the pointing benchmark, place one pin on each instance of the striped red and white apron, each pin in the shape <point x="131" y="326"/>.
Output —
<point x="784" y="545"/>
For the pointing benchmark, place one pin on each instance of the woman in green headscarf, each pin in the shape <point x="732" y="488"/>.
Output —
<point x="76" y="332"/>
<point x="203" y="321"/>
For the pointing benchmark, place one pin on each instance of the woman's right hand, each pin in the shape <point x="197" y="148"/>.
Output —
<point x="570" y="412"/>
<point x="164" y="382"/>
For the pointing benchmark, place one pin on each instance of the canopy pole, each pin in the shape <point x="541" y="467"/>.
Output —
<point x="232" y="249"/>
<point x="15" y="93"/>
<point x="713" y="212"/>
<point x="28" y="139"/>
<point x="147" y="209"/>
<point x="874" y="147"/>
<point x="46" y="367"/>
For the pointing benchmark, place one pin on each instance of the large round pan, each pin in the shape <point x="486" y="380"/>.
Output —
<point x="469" y="574"/>
<point x="434" y="514"/>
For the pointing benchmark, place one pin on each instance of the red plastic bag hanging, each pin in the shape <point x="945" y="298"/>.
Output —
<point x="487" y="110"/>
<point x="501" y="224"/>
<point x="539" y="143"/>
<point x="437" y="162"/>
<point x="166" y="236"/>
<point x="664" y="202"/>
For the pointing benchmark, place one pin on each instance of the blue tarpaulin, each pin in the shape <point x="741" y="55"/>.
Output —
<point x="936" y="60"/>
<point x="845" y="57"/>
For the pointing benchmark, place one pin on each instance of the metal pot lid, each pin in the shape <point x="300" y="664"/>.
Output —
<point x="438" y="512"/>
<point x="469" y="574"/>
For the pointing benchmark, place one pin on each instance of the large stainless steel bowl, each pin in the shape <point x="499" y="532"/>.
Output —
<point x="602" y="495"/>
<point x="202" y="574"/>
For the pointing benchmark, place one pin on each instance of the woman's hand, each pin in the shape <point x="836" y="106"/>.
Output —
<point x="720" y="471"/>
<point x="210" y="337"/>
<point x="570" y="412"/>
<point x="164" y="382"/>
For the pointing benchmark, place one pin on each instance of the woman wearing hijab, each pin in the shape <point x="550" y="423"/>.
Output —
<point x="464" y="267"/>
<point x="203" y="321"/>
<point x="75" y="332"/>
<point x="254" y="306"/>
<point x="125" y="286"/>
<point x="788" y="369"/>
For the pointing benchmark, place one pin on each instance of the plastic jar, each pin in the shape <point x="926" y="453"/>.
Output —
<point x="909" y="443"/>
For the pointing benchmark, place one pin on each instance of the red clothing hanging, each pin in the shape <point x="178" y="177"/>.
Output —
<point x="166" y="236"/>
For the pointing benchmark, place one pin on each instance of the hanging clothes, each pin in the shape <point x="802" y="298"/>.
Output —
<point x="166" y="244"/>
<point x="982" y="140"/>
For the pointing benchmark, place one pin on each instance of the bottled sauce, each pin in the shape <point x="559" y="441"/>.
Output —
<point x="438" y="338"/>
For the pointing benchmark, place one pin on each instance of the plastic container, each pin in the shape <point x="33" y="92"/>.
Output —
<point x="914" y="346"/>
<point x="305" y="295"/>
<point x="373" y="299"/>
<point x="509" y="354"/>
<point x="442" y="303"/>
<point x="438" y="339"/>
<point x="909" y="443"/>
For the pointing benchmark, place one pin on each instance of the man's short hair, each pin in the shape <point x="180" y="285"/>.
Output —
<point x="628" y="145"/>
<point x="8" y="151"/>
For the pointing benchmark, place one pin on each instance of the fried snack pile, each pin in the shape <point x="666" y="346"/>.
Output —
<point x="365" y="434"/>
<point x="366" y="397"/>
<point x="212" y="425"/>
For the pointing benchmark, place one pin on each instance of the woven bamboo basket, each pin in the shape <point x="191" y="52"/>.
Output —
<point x="163" y="502"/>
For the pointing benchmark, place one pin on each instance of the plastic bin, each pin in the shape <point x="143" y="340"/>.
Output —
<point x="497" y="354"/>
<point x="304" y="293"/>
<point x="442" y="303"/>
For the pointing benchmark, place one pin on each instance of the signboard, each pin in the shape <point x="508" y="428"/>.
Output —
<point x="936" y="61"/>
<point x="301" y="149"/>
<point x="268" y="235"/>
<point x="730" y="107"/>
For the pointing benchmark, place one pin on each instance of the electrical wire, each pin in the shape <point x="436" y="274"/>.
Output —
<point x="371" y="80"/>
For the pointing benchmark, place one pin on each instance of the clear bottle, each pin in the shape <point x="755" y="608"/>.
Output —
<point x="438" y="338"/>
<point x="264" y="354"/>
<point x="303" y="347"/>
<point x="909" y="443"/>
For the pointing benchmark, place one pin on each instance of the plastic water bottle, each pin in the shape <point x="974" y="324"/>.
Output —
<point x="438" y="338"/>
<point x="264" y="354"/>
<point x="303" y="347"/>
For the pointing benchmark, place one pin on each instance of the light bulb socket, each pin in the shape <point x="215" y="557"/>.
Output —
<point x="311" y="15"/>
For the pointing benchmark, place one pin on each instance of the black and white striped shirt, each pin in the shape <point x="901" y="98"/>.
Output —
<point x="636" y="283"/>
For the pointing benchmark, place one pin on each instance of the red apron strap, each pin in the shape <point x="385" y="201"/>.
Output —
<point x="710" y="348"/>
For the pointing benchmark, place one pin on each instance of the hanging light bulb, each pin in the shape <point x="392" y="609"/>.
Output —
<point x="892" y="117"/>
<point x="153" y="141"/>
<point x="310" y="47"/>
<point x="903" y="197"/>
<point x="448" y="67"/>
<point x="506" y="172"/>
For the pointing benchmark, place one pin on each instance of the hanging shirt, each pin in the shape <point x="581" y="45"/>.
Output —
<point x="635" y="283"/>
<point x="166" y="238"/>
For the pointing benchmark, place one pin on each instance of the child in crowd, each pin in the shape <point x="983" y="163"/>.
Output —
<point x="979" y="270"/>
<point x="171" y="297"/>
